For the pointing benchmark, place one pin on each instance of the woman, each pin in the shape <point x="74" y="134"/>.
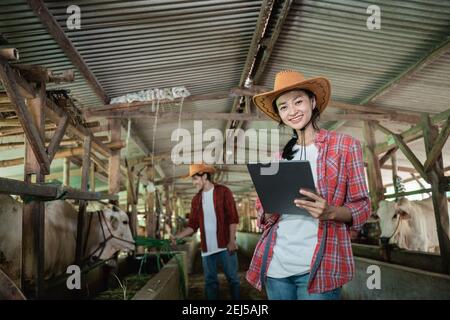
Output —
<point x="310" y="257"/>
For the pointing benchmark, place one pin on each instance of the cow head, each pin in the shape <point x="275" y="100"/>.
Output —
<point x="388" y="221"/>
<point x="117" y="231"/>
<point x="403" y="209"/>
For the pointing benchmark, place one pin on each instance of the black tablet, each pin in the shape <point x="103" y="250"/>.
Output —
<point x="278" y="184"/>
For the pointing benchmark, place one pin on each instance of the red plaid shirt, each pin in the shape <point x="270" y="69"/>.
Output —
<point x="226" y="214"/>
<point x="341" y="181"/>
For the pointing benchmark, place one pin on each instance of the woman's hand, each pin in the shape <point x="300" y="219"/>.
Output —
<point x="232" y="246"/>
<point x="267" y="216"/>
<point x="318" y="208"/>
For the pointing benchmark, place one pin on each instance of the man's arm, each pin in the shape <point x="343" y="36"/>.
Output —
<point x="186" y="232"/>
<point x="232" y="246"/>
<point x="192" y="227"/>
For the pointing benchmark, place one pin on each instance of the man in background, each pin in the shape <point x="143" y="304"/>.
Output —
<point x="213" y="210"/>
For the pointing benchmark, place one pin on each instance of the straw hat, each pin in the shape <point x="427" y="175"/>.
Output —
<point x="199" y="168"/>
<point x="288" y="80"/>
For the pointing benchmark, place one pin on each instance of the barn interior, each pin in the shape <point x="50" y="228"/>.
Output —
<point x="96" y="97"/>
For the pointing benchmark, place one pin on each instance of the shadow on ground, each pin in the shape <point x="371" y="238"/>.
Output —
<point x="197" y="284"/>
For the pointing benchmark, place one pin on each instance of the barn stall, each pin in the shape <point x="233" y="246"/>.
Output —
<point x="73" y="126"/>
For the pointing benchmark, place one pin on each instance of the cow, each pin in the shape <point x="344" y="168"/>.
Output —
<point x="107" y="231"/>
<point x="409" y="224"/>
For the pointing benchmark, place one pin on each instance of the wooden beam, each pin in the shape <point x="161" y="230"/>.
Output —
<point x="438" y="144"/>
<point x="399" y="168"/>
<point x="414" y="133"/>
<point x="254" y="56"/>
<point x="83" y="204"/>
<point x="55" y="113"/>
<point x="63" y="153"/>
<point x="410" y="156"/>
<point x="404" y="194"/>
<point x="20" y="132"/>
<point x="57" y="137"/>
<point x="101" y="128"/>
<point x="436" y="175"/>
<point x="387" y="155"/>
<point x="21" y="188"/>
<point x="50" y="23"/>
<point x="34" y="73"/>
<point x="394" y="173"/>
<point x="31" y="131"/>
<point x="92" y="177"/>
<point x="413" y="176"/>
<point x="66" y="172"/>
<point x="138" y="109"/>
<point x="131" y="199"/>
<point x="169" y="209"/>
<point x="170" y="116"/>
<point x="25" y="89"/>
<point x="114" y="159"/>
<point x="150" y="213"/>
<point x="101" y="175"/>
<point x="373" y="165"/>
<point x="138" y="105"/>
<point x="269" y="45"/>
<point x="8" y="289"/>
<point x="33" y="212"/>
<point x="135" y="137"/>
<point x="10" y="122"/>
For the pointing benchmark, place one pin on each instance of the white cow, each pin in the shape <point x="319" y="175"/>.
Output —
<point x="60" y="236"/>
<point x="409" y="224"/>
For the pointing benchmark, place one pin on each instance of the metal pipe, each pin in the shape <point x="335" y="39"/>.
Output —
<point x="9" y="54"/>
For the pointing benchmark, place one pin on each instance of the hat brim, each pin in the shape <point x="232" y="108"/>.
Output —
<point x="320" y="86"/>
<point x="206" y="170"/>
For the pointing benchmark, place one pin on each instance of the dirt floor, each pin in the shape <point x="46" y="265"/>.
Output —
<point x="197" y="284"/>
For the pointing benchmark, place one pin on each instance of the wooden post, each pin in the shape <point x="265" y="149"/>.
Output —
<point x="82" y="206"/>
<point x="394" y="172"/>
<point x="158" y="214"/>
<point x="150" y="213"/>
<point x="373" y="165"/>
<point x="114" y="160"/>
<point x="169" y="213"/>
<point x="66" y="172"/>
<point x="131" y="200"/>
<point x="33" y="219"/>
<point x="92" y="177"/>
<point x="436" y="175"/>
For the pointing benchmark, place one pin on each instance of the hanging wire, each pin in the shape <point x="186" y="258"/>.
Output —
<point x="128" y="138"/>
<point x="155" y="124"/>
<point x="173" y="164"/>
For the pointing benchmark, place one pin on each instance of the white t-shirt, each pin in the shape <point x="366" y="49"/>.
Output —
<point x="296" y="234"/>
<point x="210" y="221"/>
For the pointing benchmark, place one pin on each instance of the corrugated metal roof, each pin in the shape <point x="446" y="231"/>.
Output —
<point x="331" y="38"/>
<point x="137" y="45"/>
<point x="428" y="90"/>
<point x="203" y="45"/>
<point x="24" y="31"/>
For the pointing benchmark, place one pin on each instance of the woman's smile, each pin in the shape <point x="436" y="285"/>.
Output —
<point x="296" y="119"/>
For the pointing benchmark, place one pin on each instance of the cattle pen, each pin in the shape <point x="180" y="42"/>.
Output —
<point x="105" y="104"/>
